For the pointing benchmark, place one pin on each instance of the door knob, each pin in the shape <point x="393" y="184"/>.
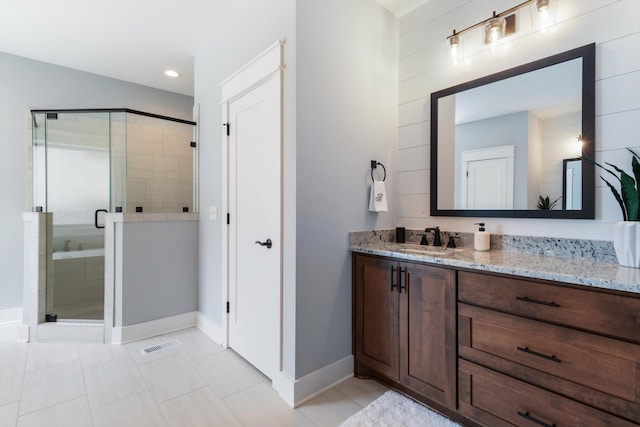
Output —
<point x="266" y="243"/>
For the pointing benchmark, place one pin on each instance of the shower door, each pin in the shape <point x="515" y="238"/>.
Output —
<point x="78" y="195"/>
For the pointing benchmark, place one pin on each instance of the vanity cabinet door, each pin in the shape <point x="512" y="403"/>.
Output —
<point x="428" y="331"/>
<point x="376" y="300"/>
<point x="405" y="325"/>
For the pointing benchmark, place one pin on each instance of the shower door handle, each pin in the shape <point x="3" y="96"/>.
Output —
<point x="95" y="217"/>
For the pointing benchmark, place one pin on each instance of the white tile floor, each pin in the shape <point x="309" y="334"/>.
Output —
<point x="197" y="383"/>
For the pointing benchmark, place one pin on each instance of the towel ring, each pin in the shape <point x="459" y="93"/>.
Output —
<point x="374" y="165"/>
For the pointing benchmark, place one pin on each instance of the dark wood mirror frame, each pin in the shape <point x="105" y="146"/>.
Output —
<point x="587" y="53"/>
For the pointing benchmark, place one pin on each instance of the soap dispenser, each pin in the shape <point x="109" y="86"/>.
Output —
<point x="481" y="238"/>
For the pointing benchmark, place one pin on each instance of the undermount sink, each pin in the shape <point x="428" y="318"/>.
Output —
<point x="427" y="250"/>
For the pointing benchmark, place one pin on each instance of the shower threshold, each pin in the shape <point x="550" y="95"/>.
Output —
<point x="71" y="330"/>
<point x="80" y="321"/>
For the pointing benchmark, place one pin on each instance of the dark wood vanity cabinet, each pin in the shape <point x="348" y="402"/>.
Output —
<point x="533" y="353"/>
<point x="376" y="316"/>
<point x="405" y="326"/>
<point x="493" y="350"/>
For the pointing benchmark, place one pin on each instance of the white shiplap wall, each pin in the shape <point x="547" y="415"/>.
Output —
<point x="614" y="25"/>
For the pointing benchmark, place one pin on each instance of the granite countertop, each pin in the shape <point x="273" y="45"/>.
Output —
<point x="587" y="272"/>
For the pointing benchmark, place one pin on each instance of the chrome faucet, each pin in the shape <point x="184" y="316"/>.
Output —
<point x="436" y="235"/>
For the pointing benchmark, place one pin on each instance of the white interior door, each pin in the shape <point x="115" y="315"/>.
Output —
<point x="487" y="184"/>
<point x="255" y="224"/>
<point x="487" y="178"/>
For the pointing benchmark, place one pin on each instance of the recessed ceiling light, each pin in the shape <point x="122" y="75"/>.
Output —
<point x="172" y="73"/>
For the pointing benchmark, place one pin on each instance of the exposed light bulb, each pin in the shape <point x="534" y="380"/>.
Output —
<point x="494" y="30"/>
<point x="546" y="14"/>
<point x="495" y="36"/>
<point x="542" y="5"/>
<point x="544" y="19"/>
<point x="454" y="42"/>
<point x="579" y="144"/>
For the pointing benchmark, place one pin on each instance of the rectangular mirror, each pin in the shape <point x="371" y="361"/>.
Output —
<point x="504" y="143"/>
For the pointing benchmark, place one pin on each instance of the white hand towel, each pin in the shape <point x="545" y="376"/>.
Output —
<point x="378" y="197"/>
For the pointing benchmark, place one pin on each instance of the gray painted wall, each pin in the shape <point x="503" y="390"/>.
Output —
<point x="27" y="84"/>
<point x="340" y="111"/>
<point x="347" y="109"/>
<point x="269" y="22"/>
<point x="159" y="271"/>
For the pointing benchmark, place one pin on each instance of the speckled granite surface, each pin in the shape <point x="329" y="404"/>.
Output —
<point x="579" y="265"/>
<point x="597" y="250"/>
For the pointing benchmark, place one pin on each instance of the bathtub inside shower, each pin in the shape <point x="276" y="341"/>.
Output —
<point x="77" y="291"/>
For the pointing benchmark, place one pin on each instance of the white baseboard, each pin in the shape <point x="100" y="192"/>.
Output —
<point x="295" y="393"/>
<point x="70" y="332"/>
<point x="210" y="329"/>
<point x="24" y="333"/>
<point x="285" y="386"/>
<point x="10" y="324"/>
<point x="10" y="331"/>
<point x="11" y="315"/>
<point x="125" y="334"/>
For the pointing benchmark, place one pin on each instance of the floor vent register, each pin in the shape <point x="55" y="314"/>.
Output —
<point x="160" y="347"/>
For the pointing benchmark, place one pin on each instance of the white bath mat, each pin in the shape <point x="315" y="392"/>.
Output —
<point x="394" y="410"/>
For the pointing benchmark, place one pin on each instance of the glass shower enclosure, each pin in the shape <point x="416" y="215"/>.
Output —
<point x="90" y="162"/>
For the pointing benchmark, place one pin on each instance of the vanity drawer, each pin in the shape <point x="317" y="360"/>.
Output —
<point x="605" y="313"/>
<point x="596" y="370"/>
<point x="497" y="400"/>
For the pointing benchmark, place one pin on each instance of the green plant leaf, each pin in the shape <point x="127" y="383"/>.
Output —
<point x="620" y="171"/>
<point x="630" y="196"/>
<point x="636" y="172"/>
<point x="618" y="198"/>
<point x="629" y="193"/>
<point x="545" y="203"/>
<point x="593" y="162"/>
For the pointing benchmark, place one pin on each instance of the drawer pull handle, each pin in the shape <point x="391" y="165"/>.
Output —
<point x="393" y="282"/>
<point x="535" y="301"/>
<point x="403" y="273"/>
<point x="526" y="416"/>
<point x="535" y="353"/>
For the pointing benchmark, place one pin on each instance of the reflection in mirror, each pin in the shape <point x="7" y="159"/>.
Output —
<point x="571" y="184"/>
<point x="499" y="143"/>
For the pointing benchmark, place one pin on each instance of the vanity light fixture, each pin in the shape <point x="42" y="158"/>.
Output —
<point x="503" y="24"/>
<point x="494" y="30"/>
<point x="172" y="73"/>
<point x="579" y="143"/>
<point x="456" y="48"/>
